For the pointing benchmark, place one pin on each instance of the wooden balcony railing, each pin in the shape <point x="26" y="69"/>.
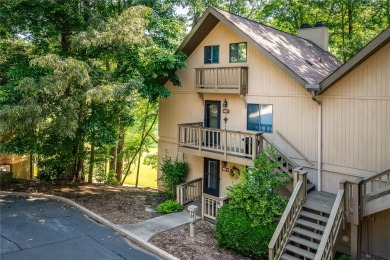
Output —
<point x="211" y="204"/>
<point x="221" y="143"/>
<point x="189" y="191"/>
<point x="222" y="80"/>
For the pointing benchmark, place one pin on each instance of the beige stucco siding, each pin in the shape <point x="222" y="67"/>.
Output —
<point x="356" y="119"/>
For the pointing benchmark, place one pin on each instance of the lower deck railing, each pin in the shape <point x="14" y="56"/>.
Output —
<point x="211" y="205"/>
<point x="189" y="191"/>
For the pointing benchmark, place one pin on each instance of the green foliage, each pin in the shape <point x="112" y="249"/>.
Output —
<point x="257" y="192"/>
<point x="235" y="231"/>
<point x="345" y="257"/>
<point x="173" y="174"/>
<point x="70" y="89"/>
<point x="247" y="223"/>
<point x="109" y="178"/>
<point x="169" y="206"/>
<point x="53" y="173"/>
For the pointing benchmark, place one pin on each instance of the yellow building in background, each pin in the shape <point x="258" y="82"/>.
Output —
<point x="19" y="165"/>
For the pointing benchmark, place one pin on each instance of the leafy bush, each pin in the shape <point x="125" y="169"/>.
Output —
<point x="257" y="192"/>
<point x="247" y="223"/>
<point x="173" y="174"/>
<point x="109" y="178"/>
<point x="345" y="257"/>
<point x="55" y="173"/>
<point x="169" y="206"/>
<point x="236" y="231"/>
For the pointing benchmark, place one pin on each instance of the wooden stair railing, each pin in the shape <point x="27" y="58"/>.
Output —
<point x="189" y="191"/>
<point x="336" y="220"/>
<point x="290" y="215"/>
<point x="375" y="193"/>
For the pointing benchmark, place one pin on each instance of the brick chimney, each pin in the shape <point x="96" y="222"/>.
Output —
<point x="318" y="34"/>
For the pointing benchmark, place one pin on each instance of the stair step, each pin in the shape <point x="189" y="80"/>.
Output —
<point x="307" y="233"/>
<point x="310" y="224"/>
<point x="313" y="216"/>
<point x="300" y="251"/>
<point x="310" y="186"/>
<point x="289" y="257"/>
<point x="304" y="242"/>
<point x="317" y="207"/>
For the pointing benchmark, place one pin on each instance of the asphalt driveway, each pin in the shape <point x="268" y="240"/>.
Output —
<point x="38" y="228"/>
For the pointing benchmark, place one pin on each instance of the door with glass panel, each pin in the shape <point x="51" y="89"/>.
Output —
<point x="212" y="119"/>
<point x="211" y="177"/>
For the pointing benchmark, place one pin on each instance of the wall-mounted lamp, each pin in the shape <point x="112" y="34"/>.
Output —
<point x="224" y="163"/>
<point x="225" y="103"/>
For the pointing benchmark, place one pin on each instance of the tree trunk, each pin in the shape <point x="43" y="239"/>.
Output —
<point x="119" y="161"/>
<point x="79" y="170"/>
<point x="31" y="166"/>
<point x="91" y="163"/>
<point x="64" y="42"/>
<point x="113" y="158"/>
<point x="138" y="165"/>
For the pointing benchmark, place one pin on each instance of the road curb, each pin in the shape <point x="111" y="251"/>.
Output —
<point x="127" y="234"/>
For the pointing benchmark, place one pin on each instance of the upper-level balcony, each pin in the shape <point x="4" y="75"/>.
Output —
<point x="226" y="145"/>
<point x="222" y="80"/>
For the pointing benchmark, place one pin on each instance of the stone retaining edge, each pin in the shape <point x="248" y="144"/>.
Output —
<point x="130" y="236"/>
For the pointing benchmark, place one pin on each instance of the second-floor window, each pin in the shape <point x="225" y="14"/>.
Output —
<point x="259" y="117"/>
<point x="238" y="52"/>
<point x="211" y="54"/>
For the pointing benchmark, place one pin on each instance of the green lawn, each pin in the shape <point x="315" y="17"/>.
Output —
<point x="147" y="175"/>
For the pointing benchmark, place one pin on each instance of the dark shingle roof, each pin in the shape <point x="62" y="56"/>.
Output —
<point x="303" y="57"/>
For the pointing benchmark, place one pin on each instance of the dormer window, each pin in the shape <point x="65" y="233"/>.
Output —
<point x="238" y="52"/>
<point x="211" y="54"/>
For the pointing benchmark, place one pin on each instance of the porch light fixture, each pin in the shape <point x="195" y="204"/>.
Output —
<point x="225" y="103"/>
<point x="224" y="163"/>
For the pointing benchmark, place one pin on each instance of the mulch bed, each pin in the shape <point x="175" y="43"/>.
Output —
<point x="127" y="205"/>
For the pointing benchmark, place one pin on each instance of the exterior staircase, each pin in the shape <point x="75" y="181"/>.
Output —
<point x="310" y="224"/>
<point x="286" y="165"/>
<point x="306" y="234"/>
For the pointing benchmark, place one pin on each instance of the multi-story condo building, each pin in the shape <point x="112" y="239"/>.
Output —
<point x="248" y="86"/>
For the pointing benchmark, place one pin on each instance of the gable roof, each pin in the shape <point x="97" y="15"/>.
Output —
<point x="372" y="47"/>
<point x="301" y="59"/>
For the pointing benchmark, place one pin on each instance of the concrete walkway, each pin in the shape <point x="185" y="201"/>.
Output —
<point x="146" y="229"/>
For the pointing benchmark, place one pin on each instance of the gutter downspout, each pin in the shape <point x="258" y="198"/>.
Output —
<point x="319" y="139"/>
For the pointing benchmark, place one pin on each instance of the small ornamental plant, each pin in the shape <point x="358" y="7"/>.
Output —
<point x="169" y="206"/>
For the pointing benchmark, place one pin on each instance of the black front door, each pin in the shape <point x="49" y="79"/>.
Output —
<point x="211" y="177"/>
<point x="212" y="119"/>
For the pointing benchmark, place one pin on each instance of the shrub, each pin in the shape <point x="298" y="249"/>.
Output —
<point x="236" y="231"/>
<point x="247" y="223"/>
<point x="173" y="174"/>
<point x="54" y="173"/>
<point x="169" y="206"/>
<point x="257" y="192"/>
<point x="345" y="257"/>
<point x="109" y="178"/>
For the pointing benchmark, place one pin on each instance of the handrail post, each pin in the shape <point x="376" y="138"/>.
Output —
<point x="253" y="148"/>
<point x="225" y="146"/>
<point x="216" y="79"/>
<point x="200" y="140"/>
